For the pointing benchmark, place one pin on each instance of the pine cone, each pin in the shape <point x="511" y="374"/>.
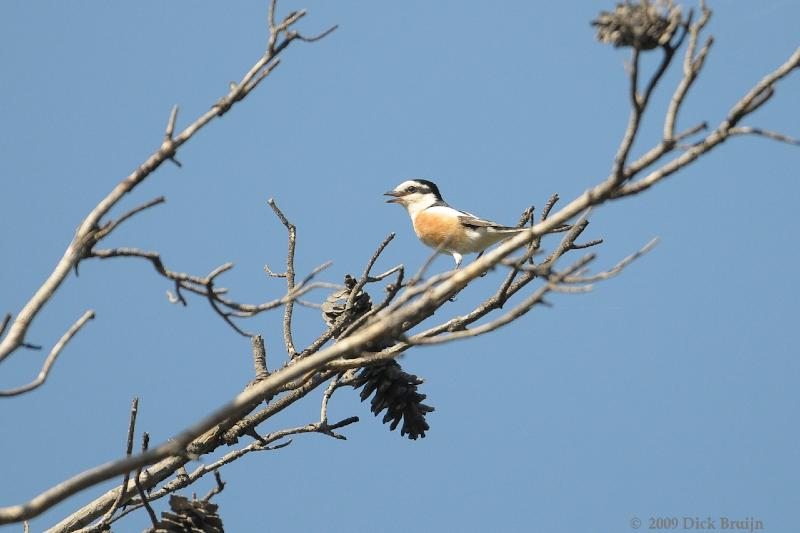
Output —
<point x="334" y="305"/>
<point x="643" y="26"/>
<point x="189" y="516"/>
<point x="395" y="391"/>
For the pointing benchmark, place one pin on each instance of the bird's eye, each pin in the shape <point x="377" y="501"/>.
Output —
<point x="412" y="189"/>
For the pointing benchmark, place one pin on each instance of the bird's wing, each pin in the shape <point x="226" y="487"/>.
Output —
<point x="471" y="221"/>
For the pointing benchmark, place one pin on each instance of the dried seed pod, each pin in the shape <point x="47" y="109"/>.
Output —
<point x="644" y="26"/>
<point x="189" y="516"/>
<point x="335" y="304"/>
<point x="395" y="391"/>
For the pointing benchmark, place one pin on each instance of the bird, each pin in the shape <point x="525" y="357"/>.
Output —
<point x="444" y="228"/>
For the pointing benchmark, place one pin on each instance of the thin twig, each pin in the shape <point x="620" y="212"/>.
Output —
<point x="319" y="36"/>
<point x="288" y="308"/>
<point x="219" y="487"/>
<point x="343" y="320"/>
<point x="532" y="248"/>
<point x="749" y="130"/>
<point x="616" y="269"/>
<point x="249" y="422"/>
<point x="415" y="279"/>
<point x="526" y="305"/>
<point x="365" y="276"/>
<point x="123" y="489"/>
<point x="588" y="244"/>
<point x="391" y="291"/>
<point x="384" y="275"/>
<point x="690" y="131"/>
<point x="255" y="446"/>
<point x="86" y="233"/>
<point x="326" y="396"/>
<point x="137" y="482"/>
<point x="204" y="286"/>
<point x="739" y="110"/>
<point x="260" y="358"/>
<point x="691" y="68"/>
<point x="225" y="315"/>
<point x="173" y="117"/>
<point x="112" y="225"/>
<point x="51" y="358"/>
<point x="392" y="320"/>
<point x="638" y="106"/>
<point x="306" y="303"/>
<point x="4" y="323"/>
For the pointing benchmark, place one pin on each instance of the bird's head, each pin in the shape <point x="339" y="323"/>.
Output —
<point x="415" y="195"/>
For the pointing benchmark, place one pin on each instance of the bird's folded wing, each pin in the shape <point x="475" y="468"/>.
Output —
<point x="471" y="221"/>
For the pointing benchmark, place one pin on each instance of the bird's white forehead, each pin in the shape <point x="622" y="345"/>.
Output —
<point x="406" y="184"/>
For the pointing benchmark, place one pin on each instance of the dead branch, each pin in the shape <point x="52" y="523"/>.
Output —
<point x="87" y="234"/>
<point x="51" y="358"/>
<point x="537" y="297"/>
<point x="289" y="275"/>
<point x="122" y="493"/>
<point x="405" y="309"/>
<point x="137" y="480"/>
<point x="204" y="286"/>
<point x="345" y="318"/>
<point x="219" y="487"/>
<point x="4" y="323"/>
<point x="764" y="89"/>
<point x="260" y="358"/>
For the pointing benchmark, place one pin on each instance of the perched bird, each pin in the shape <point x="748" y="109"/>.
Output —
<point x="445" y="228"/>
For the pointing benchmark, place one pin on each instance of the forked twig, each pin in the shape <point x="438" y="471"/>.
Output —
<point x="51" y="358"/>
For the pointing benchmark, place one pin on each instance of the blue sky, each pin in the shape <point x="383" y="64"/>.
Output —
<point x="668" y="391"/>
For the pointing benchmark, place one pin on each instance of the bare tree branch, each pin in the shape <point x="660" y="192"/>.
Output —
<point x="344" y="319"/>
<point x="250" y="422"/>
<point x="639" y="104"/>
<point x="289" y="275"/>
<point x="137" y="481"/>
<point x="51" y="358"/>
<point x="220" y="486"/>
<point x="113" y="224"/>
<point x="526" y="305"/>
<point x="691" y="68"/>
<point x="204" y="286"/>
<point x="315" y="38"/>
<point x="123" y="489"/>
<point x="261" y="444"/>
<point x="365" y="277"/>
<point x="391" y="291"/>
<point x="402" y="310"/>
<point x="615" y="270"/>
<point x="326" y="396"/>
<point x="4" y="323"/>
<point x="260" y="358"/>
<point x="256" y="446"/>
<point x="85" y="236"/>
<point x="748" y="130"/>
<point x="741" y="109"/>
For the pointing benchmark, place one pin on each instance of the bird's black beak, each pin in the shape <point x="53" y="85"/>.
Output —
<point x="396" y="197"/>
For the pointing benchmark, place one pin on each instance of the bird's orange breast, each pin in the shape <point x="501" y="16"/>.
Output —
<point x="437" y="230"/>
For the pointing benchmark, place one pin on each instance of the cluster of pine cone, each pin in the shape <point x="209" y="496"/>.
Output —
<point x="189" y="516"/>
<point x="395" y="390"/>
<point x="643" y="25"/>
